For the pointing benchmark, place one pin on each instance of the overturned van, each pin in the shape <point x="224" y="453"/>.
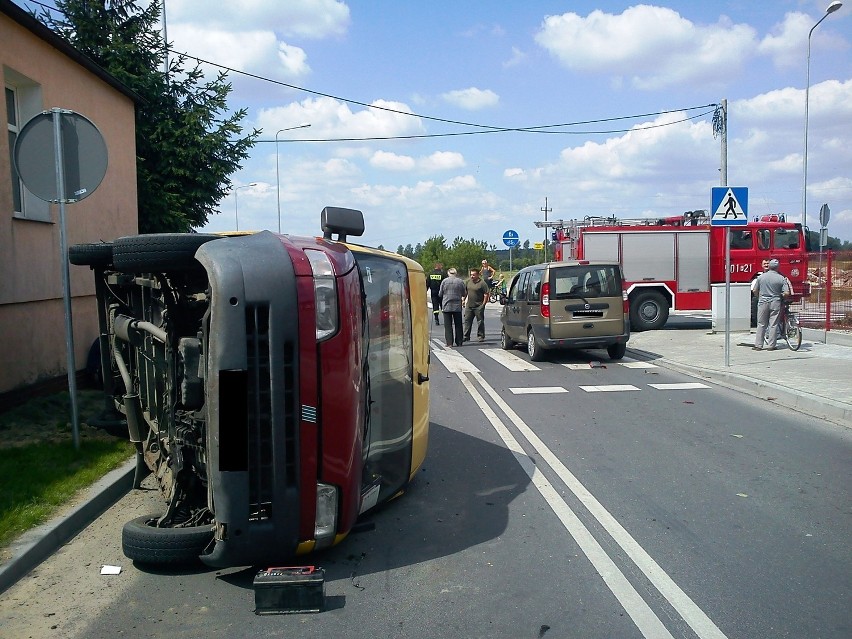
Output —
<point x="275" y="386"/>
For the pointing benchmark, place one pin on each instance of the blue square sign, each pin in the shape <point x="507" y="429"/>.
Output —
<point x="729" y="206"/>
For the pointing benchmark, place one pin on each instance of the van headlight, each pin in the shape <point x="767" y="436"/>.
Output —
<point x="326" y="520"/>
<point x="325" y="295"/>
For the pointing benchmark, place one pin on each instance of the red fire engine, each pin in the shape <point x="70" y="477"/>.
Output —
<point x="670" y="263"/>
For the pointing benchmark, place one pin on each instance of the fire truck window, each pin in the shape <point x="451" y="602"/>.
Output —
<point x="785" y="239"/>
<point x="763" y="239"/>
<point x="740" y="239"/>
<point x="535" y="286"/>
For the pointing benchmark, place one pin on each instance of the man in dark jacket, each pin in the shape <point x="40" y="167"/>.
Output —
<point x="433" y="281"/>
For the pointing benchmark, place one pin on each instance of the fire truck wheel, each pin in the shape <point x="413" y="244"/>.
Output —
<point x="97" y="254"/>
<point x="648" y="311"/>
<point x="144" y="543"/>
<point x="158" y="252"/>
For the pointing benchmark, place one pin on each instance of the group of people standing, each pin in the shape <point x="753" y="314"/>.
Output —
<point x="460" y="301"/>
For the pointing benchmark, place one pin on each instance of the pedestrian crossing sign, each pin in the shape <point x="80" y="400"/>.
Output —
<point x="729" y="206"/>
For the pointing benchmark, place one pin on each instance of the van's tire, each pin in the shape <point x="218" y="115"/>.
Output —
<point x="159" y="252"/>
<point x="535" y="351"/>
<point x="648" y="311"/>
<point x="505" y="343"/>
<point x="96" y="254"/>
<point x="143" y="543"/>
<point x="616" y="351"/>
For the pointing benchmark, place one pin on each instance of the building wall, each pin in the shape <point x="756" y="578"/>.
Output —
<point x="32" y="320"/>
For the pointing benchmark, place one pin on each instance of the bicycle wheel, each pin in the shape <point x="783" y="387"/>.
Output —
<point x="793" y="332"/>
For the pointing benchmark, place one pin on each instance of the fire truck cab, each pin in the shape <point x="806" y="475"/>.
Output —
<point x="671" y="263"/>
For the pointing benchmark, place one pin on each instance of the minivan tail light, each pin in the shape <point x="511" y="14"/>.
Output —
<point x="545" y="299"/>
<point x="325" y="295"/>
<point x="625" y="303"/>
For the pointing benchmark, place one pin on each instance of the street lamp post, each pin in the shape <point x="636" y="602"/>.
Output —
<point x="277" y="175"/>
<point x="236" y="203"/>
<point x="834" y="6"/>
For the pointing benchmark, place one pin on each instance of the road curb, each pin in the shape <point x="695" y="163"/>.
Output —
<point x="36" y="545"/>
<point x="812" y="405"/>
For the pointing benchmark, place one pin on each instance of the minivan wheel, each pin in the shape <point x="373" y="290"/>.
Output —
<point x="142" y="541"/>
<point x="616" y="351"/>
<point x="535" y="352"/>
<point x="96" y="254"/>
<point x="505" y="343"/>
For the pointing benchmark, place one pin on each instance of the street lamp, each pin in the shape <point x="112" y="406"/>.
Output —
<point x="834" y="6"/>
<point x="277" y="176"/>
<point x="236" y="206"/>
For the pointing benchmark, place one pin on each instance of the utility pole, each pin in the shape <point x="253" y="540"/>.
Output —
<point x="546" y="211"/>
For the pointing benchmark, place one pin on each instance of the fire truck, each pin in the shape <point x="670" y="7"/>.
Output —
<point x="670" y="263"/>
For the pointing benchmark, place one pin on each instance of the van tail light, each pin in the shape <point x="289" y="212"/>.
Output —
<point x="625" y="303"/>
<point x="325" y="295"/>
<point x="545" y="299"/>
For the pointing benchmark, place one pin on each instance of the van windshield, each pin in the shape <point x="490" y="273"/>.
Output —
<point x="585" y="281"/>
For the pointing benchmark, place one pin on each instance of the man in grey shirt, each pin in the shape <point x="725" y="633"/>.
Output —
<point x="451" y="292"/>
<point x="769" y="287"/>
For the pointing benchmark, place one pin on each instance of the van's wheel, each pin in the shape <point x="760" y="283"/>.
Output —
<point x="97" y="254"/>
<point x="141" y="541"/>
<point x="535" y="352"/>
<point x="648" y="311"/>
<point x="159" y="252"/>
<point x="616" y="351"/>
<point x="505" y="343"/>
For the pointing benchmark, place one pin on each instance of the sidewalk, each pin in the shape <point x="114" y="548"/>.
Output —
<point x="816" y="379"/>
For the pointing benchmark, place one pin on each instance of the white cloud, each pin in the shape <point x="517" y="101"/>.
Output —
<point x="442" y="161"/>
<point x="472" y="99"/>
<point x="330" y="118"/>
<point x="294" y="18"/>
<point x="257" y="51"/>
<point x="787" y="41"/>
<point x="518" y="57"/>
<point x="392" y="161"/>
<point x="654" y="46"/>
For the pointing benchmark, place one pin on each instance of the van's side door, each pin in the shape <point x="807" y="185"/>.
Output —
<point x="515" y="308"/>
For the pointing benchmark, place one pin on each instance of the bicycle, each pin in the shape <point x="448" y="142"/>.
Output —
<point x="495" y="290"/>
<point x="788" y="326"/>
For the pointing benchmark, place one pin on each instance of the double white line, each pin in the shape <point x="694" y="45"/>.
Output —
<point x="646" y="620"/>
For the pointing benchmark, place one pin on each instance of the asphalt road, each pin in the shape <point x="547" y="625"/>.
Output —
<point x="566" y="501"/>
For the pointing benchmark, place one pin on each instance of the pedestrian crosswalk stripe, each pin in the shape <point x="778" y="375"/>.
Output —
<point x="638" y="365"/>
<point x="541" y="390"/>
<point x="509" y="360"/>
<point x="578" y="367"/>
<point x="609" y="388"/>
<point x="681" y="386"/>
<point x="454" y="361"/>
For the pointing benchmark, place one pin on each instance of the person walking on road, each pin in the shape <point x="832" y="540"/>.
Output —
<point x="451" y="292"/>
<point x="434" y="280"/>
<point x="476" y="297"/>
<point x="770" y="287"/>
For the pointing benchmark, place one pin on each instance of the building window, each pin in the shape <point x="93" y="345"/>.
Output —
<point x="23" y="101"/>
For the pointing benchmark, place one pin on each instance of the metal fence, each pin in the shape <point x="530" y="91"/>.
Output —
<point x="829" y="306"/>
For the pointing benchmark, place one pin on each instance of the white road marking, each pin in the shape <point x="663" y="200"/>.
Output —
<point x="638" y="365"/>
<point x="700" y="623"/>
<point x="509" y="360"/>
<point x="609" y="388"/>
<point x="640" y="612"/>
<point x="682" y="386"/>
<point x="541" y="390"/>
<point x="578" y="367"/>
<point x="454" y="361"/>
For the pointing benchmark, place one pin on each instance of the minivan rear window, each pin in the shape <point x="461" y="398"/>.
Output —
<point x="585" y="281"/>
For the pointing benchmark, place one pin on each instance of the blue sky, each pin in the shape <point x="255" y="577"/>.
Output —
<point x="529" y="64"/>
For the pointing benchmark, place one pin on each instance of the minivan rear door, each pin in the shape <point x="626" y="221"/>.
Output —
<point x="585" y="301"/>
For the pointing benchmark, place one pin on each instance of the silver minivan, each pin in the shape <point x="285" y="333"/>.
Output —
<point x="566" y="305"/>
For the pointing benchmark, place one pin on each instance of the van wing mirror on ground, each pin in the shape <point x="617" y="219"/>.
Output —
<point x="334" y="219"/>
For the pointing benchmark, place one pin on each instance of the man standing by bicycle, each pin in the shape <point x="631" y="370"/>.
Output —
<point x="770" y="287"/>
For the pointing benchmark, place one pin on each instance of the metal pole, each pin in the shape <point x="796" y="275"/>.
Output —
<point x="727" y="296"/>
<point x="724" y="171"/>
<point x="278" y="182"/>
<point x="66" y="275"/>
<point x="834" y="6"/>
<point x="236" y="208"/>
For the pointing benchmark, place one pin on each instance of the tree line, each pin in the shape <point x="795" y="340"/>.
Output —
<point x="466" y="254"/>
